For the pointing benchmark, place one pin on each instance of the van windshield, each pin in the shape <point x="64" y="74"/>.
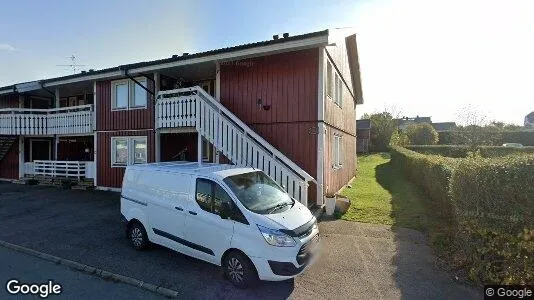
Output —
<point x="259" y="193"/>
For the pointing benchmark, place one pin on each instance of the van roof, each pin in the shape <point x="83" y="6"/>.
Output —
<point x="184" y="167"/>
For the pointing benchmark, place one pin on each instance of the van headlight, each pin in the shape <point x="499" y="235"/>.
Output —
<point x="276" y="238"/>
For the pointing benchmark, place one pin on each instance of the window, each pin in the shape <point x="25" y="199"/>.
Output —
<point x="210" y="197"/>
<point x="126" y="94"/>
<point x="120" y="94"/>
<point x="139" y="94"/>
<point x="338" y="99"/>
<point x="128" y="150"/>
<point x="139" y="152"/>
<point x="329" y="80"/>
<point x="204" y="195"/>
<point x="337" y="152"/>
<point x="119" y="151"/>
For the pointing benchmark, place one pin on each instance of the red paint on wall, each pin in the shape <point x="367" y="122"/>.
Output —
<point x="9" y="165"/>
<point x="108" y="176"/>
<point x="277" y="96"/>
<point x="107" y="119"/>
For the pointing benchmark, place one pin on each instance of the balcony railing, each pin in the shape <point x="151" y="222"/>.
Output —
<point x="27" y="121"/>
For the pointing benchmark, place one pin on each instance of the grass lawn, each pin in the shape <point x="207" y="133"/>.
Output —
<point x="381" y="195"/>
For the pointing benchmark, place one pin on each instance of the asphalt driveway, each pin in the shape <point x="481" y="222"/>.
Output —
<point x="359" y="261"/>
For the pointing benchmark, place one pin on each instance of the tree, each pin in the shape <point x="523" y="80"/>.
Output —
<point x="399" y="138"/>
<point x="422" y="134"/>
<point x="382" y="127"/>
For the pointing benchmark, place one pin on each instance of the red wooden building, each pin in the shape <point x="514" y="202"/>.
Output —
<point x="286" y="106"/>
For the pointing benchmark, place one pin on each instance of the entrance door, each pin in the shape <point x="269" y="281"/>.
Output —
<point x="40" y="150"/>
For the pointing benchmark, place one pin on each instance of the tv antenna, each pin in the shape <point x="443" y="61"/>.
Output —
<point x="72" y="64"/>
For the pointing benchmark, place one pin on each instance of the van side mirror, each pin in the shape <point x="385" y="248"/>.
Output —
<point x="226" y="211"/>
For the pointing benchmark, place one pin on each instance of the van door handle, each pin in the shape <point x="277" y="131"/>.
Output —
<point x="179" y="208"/>
<point x="193" y="213"/>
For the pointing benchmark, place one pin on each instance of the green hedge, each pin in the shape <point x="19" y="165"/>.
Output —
<point x="459" y="151"/>
<point x="431" y="173"/>
<point x="493" y="201"/>
<point x="490" y="203"/>
<point x="522" y="137"/>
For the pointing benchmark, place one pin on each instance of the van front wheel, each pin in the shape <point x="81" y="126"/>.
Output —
<point x="239" y="270"/>
<point x="137" y="236"/>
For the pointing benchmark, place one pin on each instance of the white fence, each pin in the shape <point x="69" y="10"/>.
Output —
<point x="55" y="168"/>
<point x="27" y="121"/>
<point x="233" y="138"/>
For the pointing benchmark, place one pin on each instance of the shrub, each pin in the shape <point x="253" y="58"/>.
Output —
<point x="398" y="138"/>
<point x="422" y="134"/>
<point x="493" y="201"/>
<point x="490" y="205"/>
<point x="459" y="151"/>
<point x="522" y="137"/>
<point x="382" y="127"/>
<point x="431" y="173"/>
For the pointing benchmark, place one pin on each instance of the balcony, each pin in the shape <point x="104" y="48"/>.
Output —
<point x="27" y="121"/>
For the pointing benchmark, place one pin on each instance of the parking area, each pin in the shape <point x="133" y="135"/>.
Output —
<point x="358" y="261"/>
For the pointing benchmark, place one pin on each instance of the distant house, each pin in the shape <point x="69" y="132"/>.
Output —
<point x="529" y="120"/>
<point x="363" y="135"/>
<point x="402" y="123"/>
<point x="443" y="126"/>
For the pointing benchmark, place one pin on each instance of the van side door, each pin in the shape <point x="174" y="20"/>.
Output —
<point x="208" y="234"/>
<point x="167" y="208"/>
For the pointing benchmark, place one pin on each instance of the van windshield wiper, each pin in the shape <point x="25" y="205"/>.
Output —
<point x="277" y="206"/>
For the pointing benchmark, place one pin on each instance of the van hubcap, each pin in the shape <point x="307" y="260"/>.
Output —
<point x="235" y="270"/>
<point x="137" y="237"/>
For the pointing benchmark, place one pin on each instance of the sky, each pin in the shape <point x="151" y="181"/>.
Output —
<point x="417" y="57"/>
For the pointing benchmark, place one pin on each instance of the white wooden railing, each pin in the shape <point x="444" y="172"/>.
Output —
<point x="27" y="121"/>
<point x="60" y="168"/>
<point x="233" y="138"/>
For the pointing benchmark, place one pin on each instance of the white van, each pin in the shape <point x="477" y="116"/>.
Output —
<point x="237" y="218"/>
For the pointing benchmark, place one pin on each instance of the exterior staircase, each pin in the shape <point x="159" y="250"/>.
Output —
<point x="6" y="142"/>
<point x="193" y="107"/>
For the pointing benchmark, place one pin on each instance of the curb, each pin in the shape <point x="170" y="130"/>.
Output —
<point x="93" y="271"/>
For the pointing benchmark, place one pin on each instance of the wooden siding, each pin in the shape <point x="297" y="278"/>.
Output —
<point x="286" y="82"/>
<point x="106" y="119"/>
<point x="9" y="165"/>
<point x="9" y="101"/>
<point x="108" y="176"/>
<point x="335" y="179"/>
<point x="342" y="121"/>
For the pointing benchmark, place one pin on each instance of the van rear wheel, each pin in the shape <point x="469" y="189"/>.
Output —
<point x="137" y="236"/>
<point x="239" y="270"/>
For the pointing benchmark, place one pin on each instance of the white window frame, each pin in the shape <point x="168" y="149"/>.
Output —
<point x="329" y="79"/>
<point x="114" y="85"/>
<point x="337" y="152"/>
<point x="129" y="148"/>
<point x="131" y="94"/>
<point x="133" y="85"/>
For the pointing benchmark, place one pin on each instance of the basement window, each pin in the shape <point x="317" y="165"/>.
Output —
<point x="337" y="152"/>
<point x="128" y="150"/>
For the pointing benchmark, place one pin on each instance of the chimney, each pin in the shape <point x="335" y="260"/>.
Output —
<point x="286" y="35"/>
<point x="275" y="37"/>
